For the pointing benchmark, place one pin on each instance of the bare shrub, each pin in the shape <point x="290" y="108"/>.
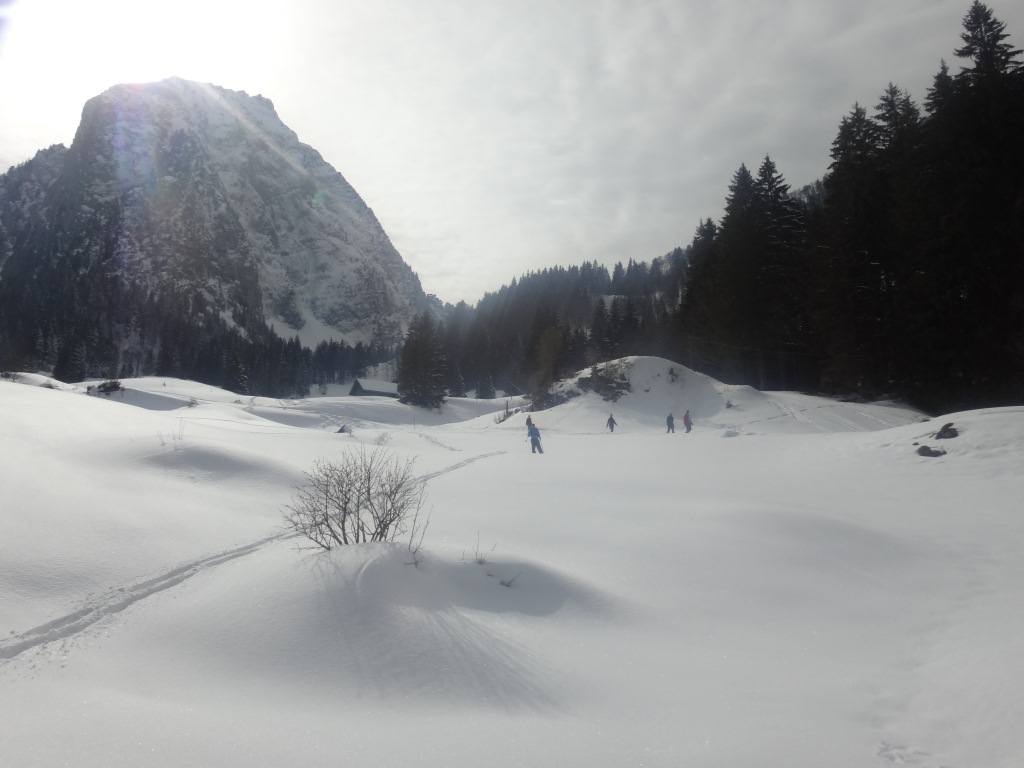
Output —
<point x="505" y="415"/>
<point x="366" y="496"/>
<point x="479" y="556"/>
<point x="417" y="532"/>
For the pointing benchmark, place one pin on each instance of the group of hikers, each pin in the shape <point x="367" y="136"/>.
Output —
<point x="670" y="422"/>
<point x="534" y="434"/>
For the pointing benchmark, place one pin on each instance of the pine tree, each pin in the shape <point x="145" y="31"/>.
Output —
<point x="485" y="388"/>
<point x="968" y="278"/>
<point x="600" y="333"/>
<point x="849" y="304"/>
<point x="550" y="353"/>
<point x="698" y="315"/>
<point x="456" y="384"/>
<point x="422" y="369"/>
<point x="615" y="327"/>
<point x="941" y="92"/>
<point x="985" y="45"/>
<point x="781" y="288"/>
<point x="236" y="376"/>
<point x="741" y="244"/>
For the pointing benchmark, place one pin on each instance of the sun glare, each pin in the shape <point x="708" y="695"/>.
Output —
<point x="98" y="44"/>
<point x="57" y="54"/>
<point x="130" y="41"/>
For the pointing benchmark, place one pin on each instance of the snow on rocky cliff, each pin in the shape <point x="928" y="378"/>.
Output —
<point x="204" y="191"/>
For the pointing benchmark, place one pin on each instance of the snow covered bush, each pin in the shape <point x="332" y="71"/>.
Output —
<point x="610" y="381"/>
<point x="109" y="387"/>
<point x="366" y="496"/>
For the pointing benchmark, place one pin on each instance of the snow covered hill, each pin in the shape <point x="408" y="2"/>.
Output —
<point x="790" y="584"/>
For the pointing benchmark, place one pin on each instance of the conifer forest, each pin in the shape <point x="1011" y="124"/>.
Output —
<point x="899" y="274"/>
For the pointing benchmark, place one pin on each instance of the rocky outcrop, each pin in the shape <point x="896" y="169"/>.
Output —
<point x="191" y="199"/>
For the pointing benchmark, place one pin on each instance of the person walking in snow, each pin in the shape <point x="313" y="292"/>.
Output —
<point x="670" y="422"/>
<point x="534" y="434"/>
<point x="687" y="422"/>
<point x="529" y="422"/>
<point x="611" y="423"/>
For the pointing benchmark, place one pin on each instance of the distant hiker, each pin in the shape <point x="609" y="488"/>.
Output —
<point x="534" y="434"/>
<point x="670" y="422"/>
<point x="529" y="422"/>
<point x="686" y="421"/>
<point x="611" y="423"/>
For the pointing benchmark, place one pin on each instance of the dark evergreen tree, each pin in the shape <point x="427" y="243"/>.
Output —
<point x="941" y="92"/>
<point x="236" y="377"/>
<point x="966" y="286"/>
<point x="849" y="312"/>
<point x="985" y="46"/>
<point x="600" y="333"/>
<point x="782" y="285"/>
<point x="71" y="363"/>
<point x="485" y="387"/>
<point x="422" y="368"/>
<point x="615" y="328"/>
<point x="456" y="384"/>
<point x="618" y="278"/>
<point x="549" y="355"/>
<point x="732" y="283"/>
<point x="629" y="327"/>
<point x="701" y="307"/>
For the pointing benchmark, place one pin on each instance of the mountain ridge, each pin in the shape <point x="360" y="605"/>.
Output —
<point x="197" y="198"/>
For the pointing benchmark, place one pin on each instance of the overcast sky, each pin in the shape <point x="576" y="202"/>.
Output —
<point x="496" y="137"/>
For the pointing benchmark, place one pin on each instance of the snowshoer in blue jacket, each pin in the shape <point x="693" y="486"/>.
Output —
<point x="534" y="434"/>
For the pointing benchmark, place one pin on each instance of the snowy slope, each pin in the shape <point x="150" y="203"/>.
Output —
<point x="808" y="592"/>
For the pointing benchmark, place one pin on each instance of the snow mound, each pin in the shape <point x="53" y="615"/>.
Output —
<point x="658" y="387"/>
<point x="448" y="631"/>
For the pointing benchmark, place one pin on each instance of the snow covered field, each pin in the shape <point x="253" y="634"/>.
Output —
<point x="789" y="585"/>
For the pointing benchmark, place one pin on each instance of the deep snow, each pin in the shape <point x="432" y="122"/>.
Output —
<point x="791" y="584"/>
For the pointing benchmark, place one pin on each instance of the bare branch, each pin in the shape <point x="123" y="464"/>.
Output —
<point x="366" y="496"/>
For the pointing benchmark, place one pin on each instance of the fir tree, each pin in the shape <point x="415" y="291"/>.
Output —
<point x="422" y="369"/>
<point x="600" y="333"/>
<point x="985" y="45"/>
<point x="485" y="388"/>
<point x="456" y="384"/>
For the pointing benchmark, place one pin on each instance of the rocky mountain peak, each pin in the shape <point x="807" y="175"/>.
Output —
<point x="192" y="189"/>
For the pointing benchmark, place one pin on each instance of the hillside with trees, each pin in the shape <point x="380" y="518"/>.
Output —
<point x="899" y="274"/>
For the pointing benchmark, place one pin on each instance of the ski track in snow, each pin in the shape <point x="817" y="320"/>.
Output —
<point x="460" y="465"/>
<point x="437" y="443"/>
<point x="822" y="418"/>
<point x="901" y="755"/>
<point x="120" y="598"/>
